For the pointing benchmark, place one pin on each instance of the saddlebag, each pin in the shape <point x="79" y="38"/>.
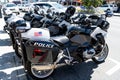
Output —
<point x="41" y="51"/>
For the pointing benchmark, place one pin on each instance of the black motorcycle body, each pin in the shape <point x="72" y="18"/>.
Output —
<point x="42" y="53"/>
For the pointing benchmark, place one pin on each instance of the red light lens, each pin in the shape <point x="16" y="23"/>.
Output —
<point x="36" y="52"/>
<point x="40" y="53"/>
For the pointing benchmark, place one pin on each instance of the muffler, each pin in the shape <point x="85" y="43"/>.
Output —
<point x="43" y="67"/>
<point x="47" y="67"/>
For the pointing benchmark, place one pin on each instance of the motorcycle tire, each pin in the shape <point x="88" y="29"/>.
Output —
<point x="32" y="74"/>
<point x="100" y="58"/>
<point x="16" y="50"/>
<point x="12" y="40"/>
<point x="4" y="28"/>
<point x="24" y="56"/>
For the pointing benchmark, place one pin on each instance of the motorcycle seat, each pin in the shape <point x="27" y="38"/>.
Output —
<point x="61" y="40"/>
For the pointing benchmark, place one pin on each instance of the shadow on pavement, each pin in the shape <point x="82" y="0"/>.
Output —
<point x="82" y="71"/>
<point x="5" y="42"/>
<point x="2" y="32"/>
<point x="15" y="75"/>
<point x="9" y="60"/>
<point x="11" y="67"/>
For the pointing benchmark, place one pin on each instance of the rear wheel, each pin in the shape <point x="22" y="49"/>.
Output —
<point x="102" y="55"/>
<point x="24" y="56"/>
<point x="12" y="40"/>
<point x="4" y="12"/>
<point x="5" y="29"/>
<point x="17" y="50"/>
<point x="37" y="74"/>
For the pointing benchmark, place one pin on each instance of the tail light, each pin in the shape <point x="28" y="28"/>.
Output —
<point x="36" y="52"/>
<point x="40" y="53"/>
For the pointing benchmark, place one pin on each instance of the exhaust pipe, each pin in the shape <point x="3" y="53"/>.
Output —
<point x="47" y="67"/>
<point x="43" y="67"/>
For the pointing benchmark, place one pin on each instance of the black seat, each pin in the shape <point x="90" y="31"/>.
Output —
<point x="61" y="40"/>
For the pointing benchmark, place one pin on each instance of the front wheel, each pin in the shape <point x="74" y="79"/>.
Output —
<point x="12" y="39"/>
<point x="37" y="74"/>
<point x="102" y="55"/>
<point x="17" y="50"/>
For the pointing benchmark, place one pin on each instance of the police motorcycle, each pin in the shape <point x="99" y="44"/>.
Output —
<point x="41" y="53"/>
<point x="31" y="20"/>
<point x="34" y="16"/>
<point x="45" y="19"/>
<point x="13" y="21"/>
<point x="7" y="18"/>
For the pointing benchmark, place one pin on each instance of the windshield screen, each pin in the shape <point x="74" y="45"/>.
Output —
<point x="59" y="6"/>
<point x="10" y="5"/>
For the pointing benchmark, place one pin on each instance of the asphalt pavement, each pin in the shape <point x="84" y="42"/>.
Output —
<point x="11" y="67"/>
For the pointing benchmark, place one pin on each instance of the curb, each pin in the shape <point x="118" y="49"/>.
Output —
<point x="116" y="14"/>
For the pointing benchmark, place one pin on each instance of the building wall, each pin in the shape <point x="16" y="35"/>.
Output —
<point x="110" y="1"/>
